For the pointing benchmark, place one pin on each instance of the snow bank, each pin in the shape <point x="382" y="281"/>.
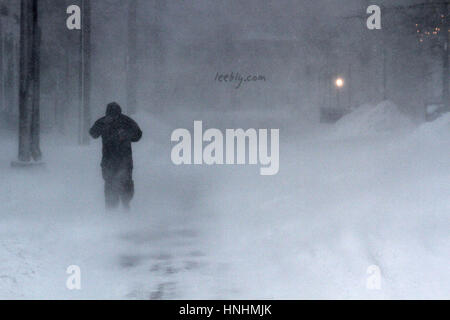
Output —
<point x="372" y="120"/>
<point x="436" y="130"/>
<point x="335" y="209"/>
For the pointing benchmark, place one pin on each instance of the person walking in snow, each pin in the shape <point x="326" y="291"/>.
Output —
<point x="118" y="132"/>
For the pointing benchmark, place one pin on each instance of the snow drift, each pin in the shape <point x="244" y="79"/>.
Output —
<point x="339" y="207"/>
<point x="372" y="120"/>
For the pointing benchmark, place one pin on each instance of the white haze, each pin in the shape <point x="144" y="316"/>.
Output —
<point x="371" y="189"/>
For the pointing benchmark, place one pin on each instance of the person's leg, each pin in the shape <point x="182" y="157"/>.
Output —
<point x="111" y="190"/>
<point x="127" y="187"/>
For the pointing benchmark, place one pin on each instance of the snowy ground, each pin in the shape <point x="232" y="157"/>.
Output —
<point x="346" y="198"/>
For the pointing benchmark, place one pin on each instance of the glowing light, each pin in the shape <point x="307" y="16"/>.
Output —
<point x="339" y="82"/>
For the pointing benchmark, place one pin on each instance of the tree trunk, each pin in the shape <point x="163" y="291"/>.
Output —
<point x="29" y="82"/>
<point x="36" y="61"/>
<point x="9" y="74"/>
<point x="85" y="74"/>
<point x="132" y="70"/>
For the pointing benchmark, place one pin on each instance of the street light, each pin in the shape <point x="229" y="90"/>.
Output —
<point x="340" y="82"/>
<point x="339" y="85"/>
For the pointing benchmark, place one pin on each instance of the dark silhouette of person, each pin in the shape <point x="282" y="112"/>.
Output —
<point x="118" y="132"/>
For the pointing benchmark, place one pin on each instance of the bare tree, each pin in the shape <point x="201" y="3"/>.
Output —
<point x="445" y="43"/>
<point x="431" y="19"/>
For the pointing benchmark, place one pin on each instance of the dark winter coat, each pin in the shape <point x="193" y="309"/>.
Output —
<point x="118" y="132"/>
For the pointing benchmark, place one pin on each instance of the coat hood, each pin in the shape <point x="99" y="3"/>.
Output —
<point x="113" y="110"/>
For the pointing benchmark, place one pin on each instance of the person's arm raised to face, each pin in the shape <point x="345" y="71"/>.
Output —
<point x="134" y="132"/>
<point x="97" y="129"/>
